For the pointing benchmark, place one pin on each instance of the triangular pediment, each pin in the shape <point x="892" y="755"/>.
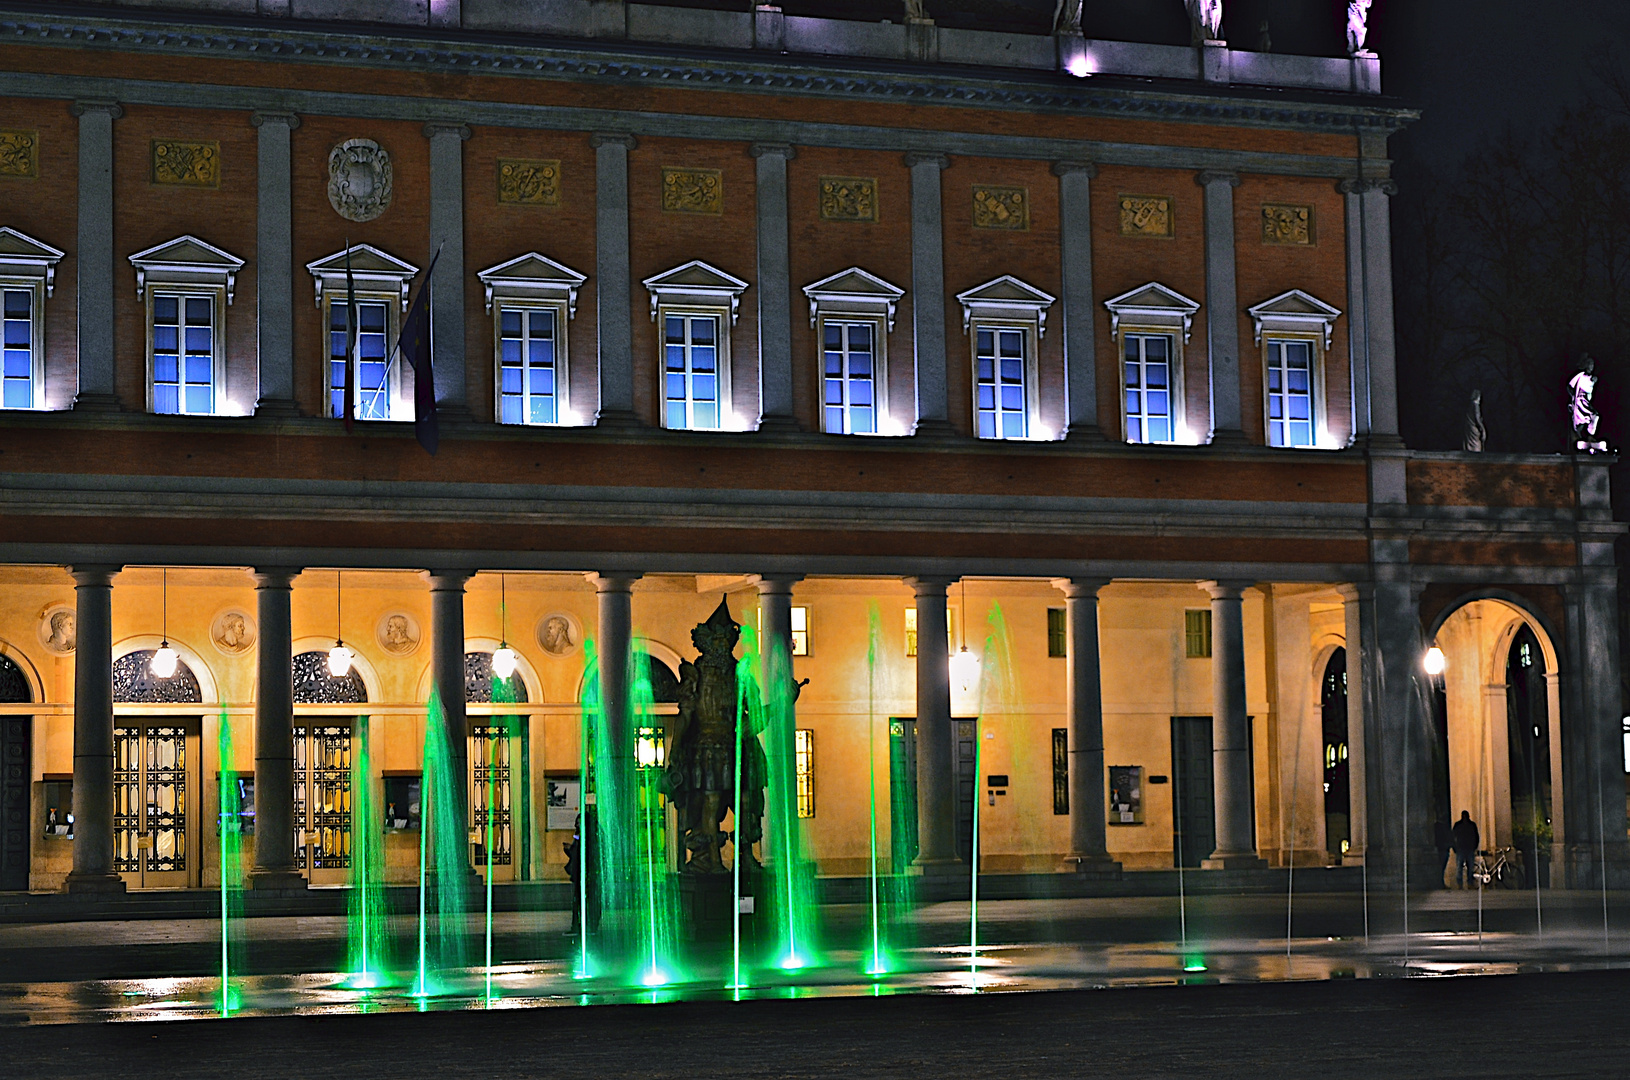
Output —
<point x="854" y="282"/>
<point x="696" y="275"/>
<point x="187" y="251"/>
<point x="1154" y="297"/>
<point x="365" y="259"/>
<point x="1294" y="303"/>
<point x="20" y="247"/>
<point x="1006" y="290"/>
<point x="535" y="268"/>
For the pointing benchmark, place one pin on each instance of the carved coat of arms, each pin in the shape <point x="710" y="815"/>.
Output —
<point x="359" y="179"/>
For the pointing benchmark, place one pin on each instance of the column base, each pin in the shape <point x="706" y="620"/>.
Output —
<point x="276" y="409"/>
<point x="94" y="884"/>
<point x="276" y="881"/>
<point x="779" y="425"/>
<point x="935" y="431"/>
<point x="939" y="868"/>
<point x="1229" y="438"/>
<point x="618" y="420"/>
<point x="1085" y="433"/>
<point x="1096" y="867"/>
<point x="96" y="403"/>
<point x="1234" y="860"/>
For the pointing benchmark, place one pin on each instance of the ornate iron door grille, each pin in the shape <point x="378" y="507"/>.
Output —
<point x="166" y="786"/>
<point x="489" y="760"/>
<point x="126" y="799"/>
<point x="322" y="796"/>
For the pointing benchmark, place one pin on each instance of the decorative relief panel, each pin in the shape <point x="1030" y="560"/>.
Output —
<point x="233" y="632"/>
<point x="58" y="629"/>
<point x="1000" y="207"/>
<point x="359" y="179"/>
<point x="19" y="153"/>
<point x="849" y="198"/>
<point x="397" y="633"/>
<point x="528" y="183"/>
<point x="187" y="164"/>
<point x="692" y="191"/>
<point x="1146" y="215"/>
<point x="1283" y="223"/>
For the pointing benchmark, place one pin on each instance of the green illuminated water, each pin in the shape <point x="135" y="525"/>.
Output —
<point x="499" y="731"/>
<point x="998" y="695"/>
<point x="588" y="722"/>
<point x="658" y="913"/>
<point x="231" y="824"/>
<point x="366" y="901"/>
<point x="874" y="619"/>
<point x="792" y="876"/>
<point x="443" y="863"/>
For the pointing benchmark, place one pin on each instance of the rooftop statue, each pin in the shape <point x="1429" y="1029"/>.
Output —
<point x="701" y="771"/>
<point x="1067" y="17"/>
<point x="1205" y="19"/>
<point x="1358" y="17"/>
<point x="1585" y="417"/>
<point x="917" y="11"/>
<point x="1476" y="433"/>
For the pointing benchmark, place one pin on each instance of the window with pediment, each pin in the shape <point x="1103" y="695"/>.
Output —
<point x="532" y="298"/>
<point x="852" y="313"/>
<point x="28" y="270"/>
<point x="187" y="285"/>
<point x="1005" y="319"/>
<point x="362" y="293"/>
<point x="1151" y="326"/>
<point x="1294" y="330"/>
<point x="694" y="307"/>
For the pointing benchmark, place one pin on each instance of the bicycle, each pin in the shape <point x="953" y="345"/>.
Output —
<point x="1502" y="868"/>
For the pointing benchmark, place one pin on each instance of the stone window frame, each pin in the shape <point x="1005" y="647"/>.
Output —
<point x="1295" y="315"/>
<point x="188" y="267"/>
<point x="535" y="282"/>
<point x="858" y="296"/>
<point x="30" y="265"/>
<point x="378" y="277"/>
<point x="1153" y="309"/>
<point x="695" y="289"/>
<point x="1006" y="303"/>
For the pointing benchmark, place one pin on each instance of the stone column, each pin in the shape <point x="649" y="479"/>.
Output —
<point x="774" y="289"/>
<point x="447" y="295"/>
<point x="1089" y="850"/>
<point x="1080" y="343"/>
<point x="1369" y="314"/>
<point x="1230" y="730"/>
<point x="447" y="676"/>
<point x="928" y="294"/>
<point x="1359" y="611"/>
<point x="95" y="257"/>
<point x="274" y="270"/>
<point x="274" y="733"/>
<point x="616" y="603"/>
<point x="1222" y="308"/>
<point x="93" y="732"/>
<point x="936" y="737"/>
<point x="1596" y="841"/>
<point x="612" y="288"/>
<point x="775" y="652"/>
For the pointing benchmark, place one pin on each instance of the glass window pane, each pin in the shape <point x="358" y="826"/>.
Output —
<point x="707" y="415"/>
<point x="510" y="409"/>
<point x="18" y="303"/>
<point x="198" y="399"/>
<point x="18" y="394"/>
<point x="165" y="368"/>
<point x="674" y="330"/>
<point x="165" y="399"/>
<point x="703" y="330"/>
<point x="17" y="332"/>
<point x="509" y="322"/>
<point x="198" y="310"/>
<point x="164" y="309"/>
<point x="703" y="358"/>
<point x="860" y="421"/>
<point x="833" y="336"/>
<point x="19" y="364"/>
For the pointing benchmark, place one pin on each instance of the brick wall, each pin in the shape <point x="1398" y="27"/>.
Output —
<point x="43" y="206"/>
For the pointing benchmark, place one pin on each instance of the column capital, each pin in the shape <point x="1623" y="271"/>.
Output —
<point x="440" y="127"/>
<point x="613" y="138"/>
<point x="1080" y="588"/>
<point x="1064" y="168"/>
<point x="931" y="584"/>
<point x="272" y="116"/>
<point x="1227" y="588"/>
<point x="111" y="108"/>
<point x="92" y="574"/>
<point x="275" y="577"/>
<point x="1352" y="186"/>
<point x="1208" y="177"/>
<point x="772" y="149"/>
<point x="612" y="582"/>
<point x="915" y="158"/>
<point x="1356" y="591"/>
<point x="768" y="584"/>
<point x="451" y="580"/>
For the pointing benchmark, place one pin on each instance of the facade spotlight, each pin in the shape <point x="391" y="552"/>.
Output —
<point x="164" y="661"/>
<point x="503" y="661"/>
<point x="1434" y="662"/>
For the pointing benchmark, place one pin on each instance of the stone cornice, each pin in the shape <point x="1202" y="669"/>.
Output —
<point x="624" y="64"/>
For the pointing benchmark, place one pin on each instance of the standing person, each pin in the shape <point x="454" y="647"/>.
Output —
<point x="575" y="870"/>
<point x="1466" y="840"/>
<point x="1440" y="835"/>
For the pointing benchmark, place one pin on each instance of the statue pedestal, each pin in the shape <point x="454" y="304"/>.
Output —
<point x="705" y="902"/>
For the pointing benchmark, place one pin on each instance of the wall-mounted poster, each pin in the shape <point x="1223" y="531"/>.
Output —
<point x="565" y="800"/>
<point x="1126" y="794"/>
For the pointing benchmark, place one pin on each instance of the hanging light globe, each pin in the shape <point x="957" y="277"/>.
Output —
<point x="964" y="669"/>
<point x="164" y="661"/>
<point x="339" y="660"/>
<point x="503" y="662"/>
<point x="1434" y="662"/>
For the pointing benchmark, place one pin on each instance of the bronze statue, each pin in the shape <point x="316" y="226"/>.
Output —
<point x="701" y="771"/>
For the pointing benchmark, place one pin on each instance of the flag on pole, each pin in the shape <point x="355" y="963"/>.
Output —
<point x="415" y="348"/>
<point x="350" y="340"/>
